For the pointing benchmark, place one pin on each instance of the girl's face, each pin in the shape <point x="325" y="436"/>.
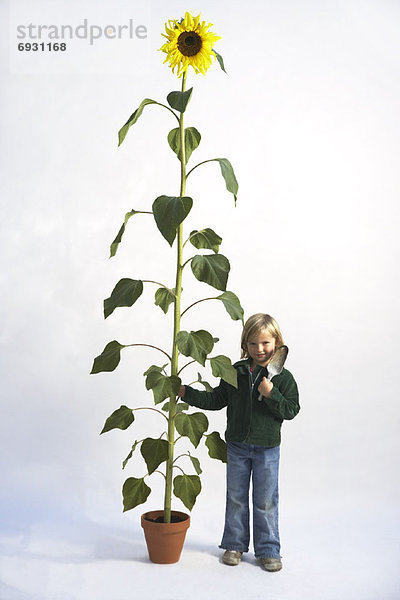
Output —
<point x="261" y="348"/>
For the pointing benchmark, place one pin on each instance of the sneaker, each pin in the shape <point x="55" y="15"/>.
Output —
<point x="271" y="564"/>
<point x="231" y="557"/>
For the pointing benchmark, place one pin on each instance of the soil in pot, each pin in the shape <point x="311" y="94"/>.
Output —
<point x="165" y="540"/>
<point x="160" y="519"/>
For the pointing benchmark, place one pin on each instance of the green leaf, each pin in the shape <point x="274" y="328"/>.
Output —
<point x="163" y="298"/>
<point x="118" y="239"/>
<point x="187" y="488"/>
<point x="197" y="344"/>
<point x="229" y="175"/>
<point x="125" y="293"/>
<point x="222" y="367"/>
<point x="212" y="269"/>
<point x="130" y="454"/>
<point x="162" y="386"/>
<point x="179" y="100"/>
<point x="119" y="419"/>
<point x="232" y="305"/>
<point x="154" y="453"/>
<point x="133" y="118"/>
<point x="205" y="238"/>
<point x="134" y="492"/>
<point x="155" y="368"/>
<point x="216" y="446"/>
<point x="196" y="464"/>
<point x="192" y="140"/>
<point x="192" y="426"/>
<point x="220" y="60"/>
<point x="109" y="359"/>
<point x="180" y="406"/>
<point x="169" y="212"/>
<point x="206" y="385"/>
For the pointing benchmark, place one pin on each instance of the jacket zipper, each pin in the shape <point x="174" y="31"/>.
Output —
<point x="251" y="386"/>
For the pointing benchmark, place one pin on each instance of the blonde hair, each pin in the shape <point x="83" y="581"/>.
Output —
<point x="254" y="325"/>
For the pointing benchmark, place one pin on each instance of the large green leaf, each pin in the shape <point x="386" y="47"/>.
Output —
<point x="134" y="492"/>
<point x="216" y="446"/>
<point x="192" y="426"/>
<point x="232" y="305"/>
<point x="119" y="419"/>
<point x="205" y="238"/>
<point x="154" y="452"/>
<point x="169" y="212"/>
<point x="125" y="293"/>
<point x="109" y="359"/>
<point x="162" y="386"/>
<point x="197" y="344"/>
<point x="187" y="488"/>
<point x="222" y="367"/>
<point x="192" y="140"/>
<point x="130" y="454"/>
<point x="164" y="298"/>
<point x="118" y="239"/>
<point x="179" y="100"/>
<point x="133" y="118"/>
<point x="212" y="269"/>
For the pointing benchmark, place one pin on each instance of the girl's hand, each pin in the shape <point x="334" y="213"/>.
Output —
<point x="182" y="391"/>
<point x="265" y="387"/>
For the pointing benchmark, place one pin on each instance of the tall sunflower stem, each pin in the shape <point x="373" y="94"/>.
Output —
<point x="177" y="318"/>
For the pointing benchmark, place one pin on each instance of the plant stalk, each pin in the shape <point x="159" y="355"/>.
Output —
<point x="177" y="320"/>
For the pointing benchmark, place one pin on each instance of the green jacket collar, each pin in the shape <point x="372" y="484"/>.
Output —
<point x="243" y="366"/>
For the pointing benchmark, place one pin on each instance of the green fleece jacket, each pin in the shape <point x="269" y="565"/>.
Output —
<point x="249" y="419"/>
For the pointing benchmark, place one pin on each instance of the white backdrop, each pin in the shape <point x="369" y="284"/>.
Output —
<point x="308" y="116"/>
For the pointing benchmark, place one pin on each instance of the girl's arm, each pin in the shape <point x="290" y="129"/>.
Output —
<point x="283" y="398"/>
<point x="214" y="400"/>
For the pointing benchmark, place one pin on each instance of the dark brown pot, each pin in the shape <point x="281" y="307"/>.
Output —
<point x="164" y="540"/>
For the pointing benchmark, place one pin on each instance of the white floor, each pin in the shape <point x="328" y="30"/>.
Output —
<point x="349" y="557"/>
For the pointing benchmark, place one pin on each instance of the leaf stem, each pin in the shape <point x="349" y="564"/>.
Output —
<point x="150" y="346"/>
<point x="170" y="110"/>
<point x="187" y="261"/>
<point x="201" y="163"/>
<point x="176" y="467"/>
<point x="158" y="283"/>
<point x="180" y="456"/>
<point x="187" y="364"/>
<point x="153" y="409"/>
<point x="197" y="302"/>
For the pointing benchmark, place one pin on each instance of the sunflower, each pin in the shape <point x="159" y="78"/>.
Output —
<point x="189" y="44"/>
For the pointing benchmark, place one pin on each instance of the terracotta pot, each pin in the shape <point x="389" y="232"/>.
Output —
<point x="165" y="540"/>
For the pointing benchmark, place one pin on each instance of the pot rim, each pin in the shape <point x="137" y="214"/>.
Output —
<point x="159" y="513"/>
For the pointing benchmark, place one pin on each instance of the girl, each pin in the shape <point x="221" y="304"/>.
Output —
<point x="253" y="438"/>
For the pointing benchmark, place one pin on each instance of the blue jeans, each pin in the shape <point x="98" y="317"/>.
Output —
<point x="262" y="463"/>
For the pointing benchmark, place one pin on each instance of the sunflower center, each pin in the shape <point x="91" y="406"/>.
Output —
<point x="189" y="43"/>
